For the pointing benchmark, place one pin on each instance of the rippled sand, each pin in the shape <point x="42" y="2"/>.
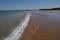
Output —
<point x="42" y="26"/>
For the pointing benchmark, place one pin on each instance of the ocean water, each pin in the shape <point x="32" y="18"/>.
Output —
<point x="12" y="24"/>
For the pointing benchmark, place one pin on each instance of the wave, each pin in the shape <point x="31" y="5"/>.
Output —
<point x="17" y="32"/>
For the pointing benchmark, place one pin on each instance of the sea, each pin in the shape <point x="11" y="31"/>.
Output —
<point x="13" y="23"/>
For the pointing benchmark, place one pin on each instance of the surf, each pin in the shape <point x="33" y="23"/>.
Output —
<point x="18" y="31"/>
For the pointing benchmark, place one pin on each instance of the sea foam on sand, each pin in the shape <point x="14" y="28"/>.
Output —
<point x="17" y="32"/>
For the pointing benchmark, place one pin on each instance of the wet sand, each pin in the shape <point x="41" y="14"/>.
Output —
<point x="42" y="26"/>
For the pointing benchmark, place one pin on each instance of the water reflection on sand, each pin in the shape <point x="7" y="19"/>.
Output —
<point x="48" y="28"/>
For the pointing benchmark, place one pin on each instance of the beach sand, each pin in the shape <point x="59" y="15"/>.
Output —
<point x="42" y="27"/>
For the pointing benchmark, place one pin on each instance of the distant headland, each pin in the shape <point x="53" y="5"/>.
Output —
<point x="58" y="8"/>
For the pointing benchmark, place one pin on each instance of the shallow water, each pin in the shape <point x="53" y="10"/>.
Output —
<point x="9" y="20"/>
<point x="18" y="31"/>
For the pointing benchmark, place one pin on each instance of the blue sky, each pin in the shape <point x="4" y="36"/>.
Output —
<point x="28" y="4"/>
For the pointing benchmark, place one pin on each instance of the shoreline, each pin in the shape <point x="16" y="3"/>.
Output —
<point x="16" y="33"/>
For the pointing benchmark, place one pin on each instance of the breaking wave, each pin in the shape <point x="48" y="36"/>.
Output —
<point x="17" y="32"/>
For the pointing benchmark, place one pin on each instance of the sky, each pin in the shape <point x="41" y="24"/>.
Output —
<point x="28" y="4"/>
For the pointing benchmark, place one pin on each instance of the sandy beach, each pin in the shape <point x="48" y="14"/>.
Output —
<point x="42" y="26"/>
<point x="38" y="26"/>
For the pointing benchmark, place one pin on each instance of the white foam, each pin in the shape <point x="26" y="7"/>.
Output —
<point x="16" y="34"/>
